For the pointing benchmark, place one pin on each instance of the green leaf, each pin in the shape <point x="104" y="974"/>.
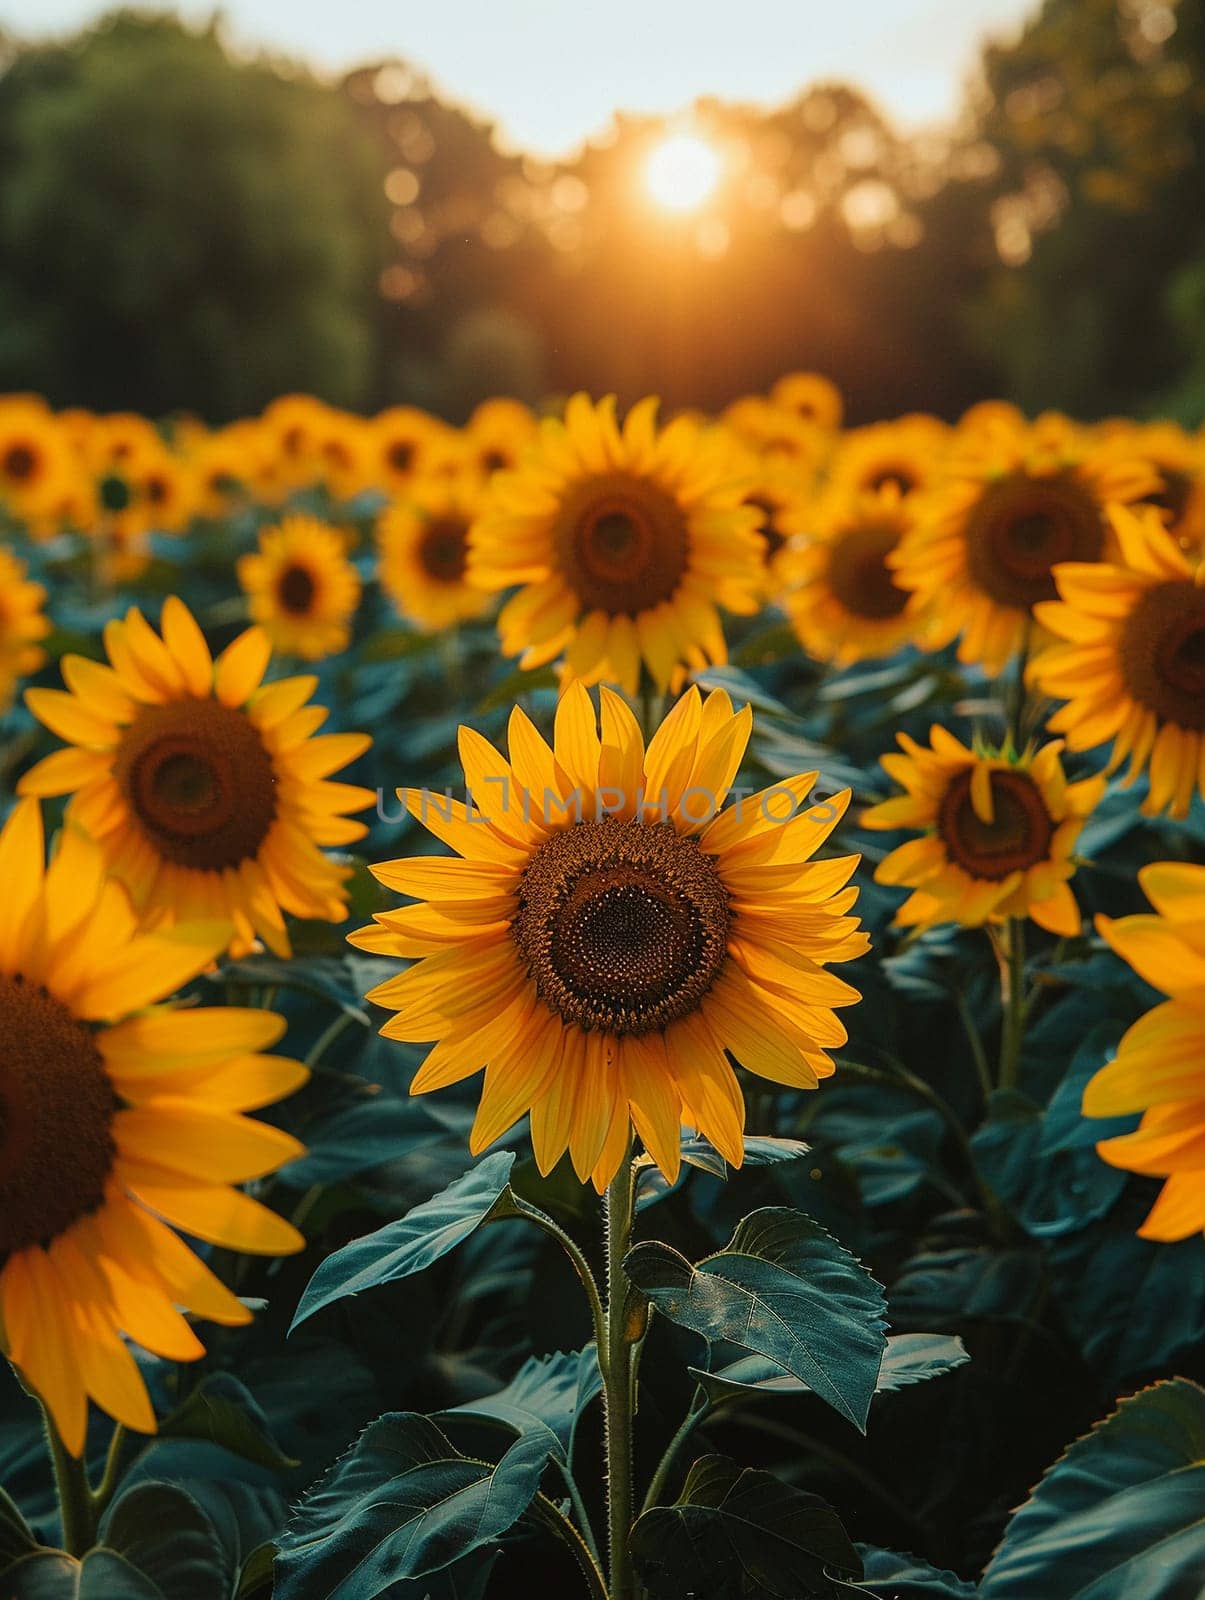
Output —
<point x="733" y="1534"/>
<point x="412" y="1243"/>
<point x="909" y="1358"/>
<point x="101" y="1575"/>
<point x="1120" y="1515"/>
<point x="760" y="1151"/>
<point x="900" y="1577"/>
<point x="16" y="1536"/>
<point x="255" y="1576"/>
<point x="164" y="1533"/>
<point x="782" y="1288"/>
<point x="402" y="1503"/>
<point x="547" y="1396"/>
<point x="221" y="1410"/>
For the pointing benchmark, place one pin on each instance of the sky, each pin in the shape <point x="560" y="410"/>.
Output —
<point x="551" y="72"/>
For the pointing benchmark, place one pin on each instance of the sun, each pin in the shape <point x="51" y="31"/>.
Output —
<point x="682" y="172"/>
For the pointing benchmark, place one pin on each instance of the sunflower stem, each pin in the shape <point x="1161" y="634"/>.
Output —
<point x="78" y="1511"/>
<point x="1012" y="1000"/>
<point x="618" y="1381"/>
<point x="111" y="1476"/>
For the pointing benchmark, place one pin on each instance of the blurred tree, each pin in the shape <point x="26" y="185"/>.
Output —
<point x="178" y="229"/>
<point x="1097" y="114"/>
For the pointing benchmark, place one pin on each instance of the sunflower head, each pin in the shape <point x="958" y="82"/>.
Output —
<point x="497" y="434"/>
<point x="608" y="930"/>
<point x="118" y="1116"/>
<point x="423" y="539"/>
<point x="623" y="541"/>
<point x="1011" y="504"/>
<point x="811" y="397"/>
<point x="999" y="832"/>
<point x="409" y="446"/>
<point x="203" y="787"/>
<point x="844" y="597"/>
<point x="302" y="588"/>
<point x="1158" y="1066"/>
<point x="22" y="624"/>
<point x="37" y="464"/>
<point x="1131" y="664"/>
<point x="904" y="456"/>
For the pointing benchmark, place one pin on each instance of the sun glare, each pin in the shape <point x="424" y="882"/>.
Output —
<point x="682" y="172"/>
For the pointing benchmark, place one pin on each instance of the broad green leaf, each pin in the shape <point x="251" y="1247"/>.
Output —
<point x="901" y="1577"/>
<point x="782" y="1288"/>
<point x="1120" y="1515"/>
<point x="101" y="1575"/>
<point x="909" y="1358"/>
<point x="733" y="1534"/>
<point x="164" y="1533"/>
<point x="222" y="1410"/>
<point x="411" y="1244"/>
<point x="402" y="1503"/>
<point x="547" y="1395"/>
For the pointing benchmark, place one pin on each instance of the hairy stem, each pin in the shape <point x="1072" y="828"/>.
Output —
<point x="619" y="1382"/>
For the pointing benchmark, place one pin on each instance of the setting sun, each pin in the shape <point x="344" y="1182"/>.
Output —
<point x="682" y="172"/>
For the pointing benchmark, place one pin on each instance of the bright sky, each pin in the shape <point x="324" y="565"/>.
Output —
<point x="551" y="72"/>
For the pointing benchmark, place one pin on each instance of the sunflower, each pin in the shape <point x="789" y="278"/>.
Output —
<point x="37" y="465"/>
<point x="118" y="1116"/>
<point x="608" y="933"/>
<point x="345" y="450"/>
<point x="842" y="595"/>
<point x="780" y="496"/>
<point x="205" y="791"/>
<point x="22" y="624"/>
<point x="292" y="427"/>
<point x="999" y="833"/>
<point x="624" y="542"/>
<point x="904" y="455"/>
<point x="1179" y="459"/>
<point x="810" y="396"/>
<point x="302" y="588"/>
<point x="1013" y="502"/>
<point x="408" y="445"/>
<point x="424" y="546"/>
<point x="1158" y="1067"/>
<point x="1132" y="664"/>
<point x="497" y="434"/>
<point x="776" y="433"/>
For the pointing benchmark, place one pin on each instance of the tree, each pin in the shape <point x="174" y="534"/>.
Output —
<point x="178" y="229"/>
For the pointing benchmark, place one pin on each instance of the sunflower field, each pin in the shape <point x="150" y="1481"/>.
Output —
<point x="607" y="1001"/>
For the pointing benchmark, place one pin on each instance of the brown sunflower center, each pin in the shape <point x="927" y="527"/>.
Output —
<point x="494" y="460"/>
<point x="1162" y="653"/>
<point x="1021" y="527"/>
<point x="296" y="589"/>
<point x="400" y="455"/>
<point x="444" y="548"/>
<point x="19" y="462"/>
<point x="859" y="576"/>
<point x="56" y="1116"/>
<point x="156" y="490"/>
<point x="196" y="775"/>
<point x="623" y="543"/>
<point x="772" y="536"/>
<point x="115" y="492"/>
<point x="894" y="477"/>
<point x="1173" y="497"/>
<point x="1018" y="836"/>
<point x="623" y="926"/>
